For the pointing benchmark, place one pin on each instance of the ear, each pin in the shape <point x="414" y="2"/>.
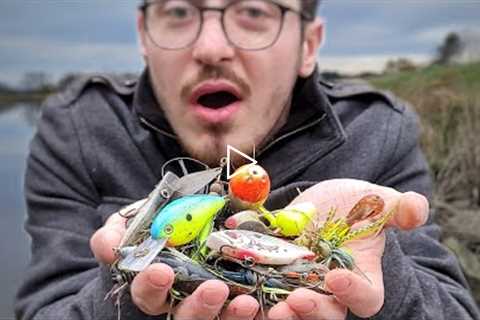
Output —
<point x="142" y="34"/>
<point x="313" y="38"/>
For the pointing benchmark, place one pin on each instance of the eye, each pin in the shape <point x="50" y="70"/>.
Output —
<point x="177" y="11"/>
<point x="168" y="229"/>
<point x="252" y="12"/>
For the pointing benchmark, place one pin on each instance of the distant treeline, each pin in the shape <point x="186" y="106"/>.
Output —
<point x="457" y="47"/>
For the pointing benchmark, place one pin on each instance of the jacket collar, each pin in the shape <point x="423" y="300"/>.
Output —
<point x="147" y="108"/>
<point x="304" y="106"/>
<point x="311" y="111"/>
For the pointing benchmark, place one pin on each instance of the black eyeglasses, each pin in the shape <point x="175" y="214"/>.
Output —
<point x="247" y="24"/>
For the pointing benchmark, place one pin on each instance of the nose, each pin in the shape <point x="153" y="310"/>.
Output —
<point x="212" y="46"/>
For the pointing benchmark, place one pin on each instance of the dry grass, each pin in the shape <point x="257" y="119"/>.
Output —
<point x="447" y="100"/>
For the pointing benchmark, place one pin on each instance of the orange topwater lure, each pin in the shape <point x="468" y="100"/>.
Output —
<point x="249" y="187"/>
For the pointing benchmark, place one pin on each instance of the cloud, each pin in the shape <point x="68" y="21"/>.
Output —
<point x="394" y="27"/>
<point x="354" y="64"/>
<point x="55" y="57"/>
<point x="88" y="35"/>
<point x="71" y="20"/>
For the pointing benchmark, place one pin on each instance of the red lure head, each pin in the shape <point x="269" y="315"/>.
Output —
<point x="250" y="183"/>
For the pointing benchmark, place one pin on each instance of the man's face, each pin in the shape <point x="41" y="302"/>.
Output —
<point x="214" y="93"/>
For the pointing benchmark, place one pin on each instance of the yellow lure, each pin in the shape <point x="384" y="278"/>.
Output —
<point x="292" y="220"/>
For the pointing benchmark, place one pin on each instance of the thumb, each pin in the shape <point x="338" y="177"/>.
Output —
<point x="363" y="297"/>
<point x="412" y="211"/>
<point x="105" y="239"/>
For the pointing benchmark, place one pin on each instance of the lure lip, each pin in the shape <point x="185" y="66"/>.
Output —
<point x="230" y="223"/>
<point x="238" y="218"/>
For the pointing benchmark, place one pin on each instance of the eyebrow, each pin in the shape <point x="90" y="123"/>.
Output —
<point x="203" y="2"/>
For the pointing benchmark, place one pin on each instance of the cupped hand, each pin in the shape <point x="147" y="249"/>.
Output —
<point x="360" y="290"/>
<point x="150" y="288"/>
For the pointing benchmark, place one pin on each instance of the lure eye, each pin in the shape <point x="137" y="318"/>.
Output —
<point x="254" y="171"/>
<point x="324" y="249"/>
<point x="168" y="229"/>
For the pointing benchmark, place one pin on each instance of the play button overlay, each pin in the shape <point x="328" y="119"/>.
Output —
<point x="231" y="149"/>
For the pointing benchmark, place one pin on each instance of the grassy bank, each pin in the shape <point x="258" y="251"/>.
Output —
<point x="9" y="99"/>
<point x="447" y="99"/>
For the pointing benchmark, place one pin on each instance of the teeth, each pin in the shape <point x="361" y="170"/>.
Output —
<point x="217" y="100"/>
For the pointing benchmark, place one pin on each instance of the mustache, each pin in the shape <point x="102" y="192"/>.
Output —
<point x="215" y="73"/>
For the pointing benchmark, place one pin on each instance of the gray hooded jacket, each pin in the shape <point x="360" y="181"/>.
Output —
<point x="101" y="144"/>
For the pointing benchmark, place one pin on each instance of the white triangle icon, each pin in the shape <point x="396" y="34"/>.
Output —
<point x="231" y="149"/>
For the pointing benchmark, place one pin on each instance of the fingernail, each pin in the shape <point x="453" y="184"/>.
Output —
<point x="282" y="311"/>
<point x="339" y="284"/>
<point x="278" y="312"/>
<point x="245" y="308"/>
<point x="423" y="207"/>
<point x="417" y="211"/>
<point x="279" y="317"/>
<point x="211" y="297"/>
<point x="304" y="306"/>
<point x="158" y="278"/>
<point x="244" y="312"/>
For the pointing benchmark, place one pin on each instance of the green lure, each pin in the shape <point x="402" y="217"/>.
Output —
<point x="182" y="220"/>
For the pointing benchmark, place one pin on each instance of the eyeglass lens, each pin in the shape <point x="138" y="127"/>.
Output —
<point x="248" y="24"/>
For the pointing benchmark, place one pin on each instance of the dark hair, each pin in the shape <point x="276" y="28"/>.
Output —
<point x="309" y="7"/>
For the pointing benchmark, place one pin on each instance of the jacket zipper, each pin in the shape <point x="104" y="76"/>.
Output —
<point x="154" y="128"/>
<point x="295" y="131"/>
<point x="268" y="146"/>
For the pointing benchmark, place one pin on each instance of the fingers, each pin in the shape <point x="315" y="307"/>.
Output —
<point x="205" y="303"/>
<point x="150" y="288"/>
<point x="281" y="311"/>
<point x="304" y="304"/>
<point x="106" y="238"/>
<point x="241" y="308"/>
<point x="413" y="210"/>
<point x="364" y="297"/>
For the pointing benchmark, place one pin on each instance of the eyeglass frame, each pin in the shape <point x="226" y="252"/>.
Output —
<point x="283" y="10"/>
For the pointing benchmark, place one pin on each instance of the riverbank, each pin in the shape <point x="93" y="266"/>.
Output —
<point x="447" y="99"/>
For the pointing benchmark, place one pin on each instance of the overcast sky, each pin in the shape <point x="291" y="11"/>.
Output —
<point x="58" y="36"/>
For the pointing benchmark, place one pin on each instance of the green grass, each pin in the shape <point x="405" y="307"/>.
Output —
<point x="460" y="77"/>
<point x="447" y="99"/>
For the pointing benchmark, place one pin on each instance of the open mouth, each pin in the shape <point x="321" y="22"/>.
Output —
<point x="217" y="100"/>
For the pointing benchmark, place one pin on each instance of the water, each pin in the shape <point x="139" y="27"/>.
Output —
<point x="16" y="130"/>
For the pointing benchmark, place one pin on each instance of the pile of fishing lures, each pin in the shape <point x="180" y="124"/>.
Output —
<point x="204" y="228"/>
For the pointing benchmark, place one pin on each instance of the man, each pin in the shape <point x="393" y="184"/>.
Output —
<point x="240" y="73"/>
